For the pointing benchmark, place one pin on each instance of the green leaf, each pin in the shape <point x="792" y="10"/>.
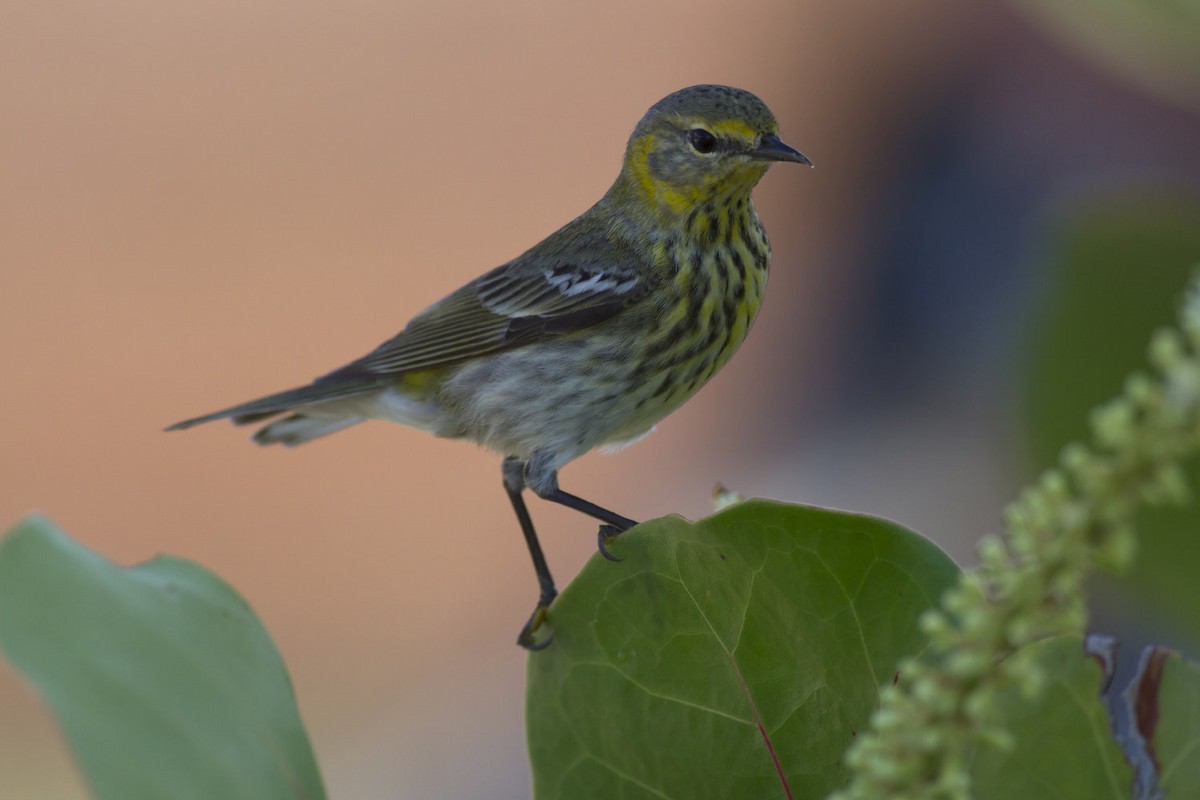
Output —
<point x="1177" y="739"/>
<point x="162" y="678"/>
<point x="1165" y="703"/>
<point x="734" y="657"/>
<point x="1062" y="738"/>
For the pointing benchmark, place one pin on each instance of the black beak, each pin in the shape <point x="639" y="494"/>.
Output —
<point x="770" y="148"/>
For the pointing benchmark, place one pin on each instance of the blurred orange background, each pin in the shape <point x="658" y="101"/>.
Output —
<point x="203" y="203"/>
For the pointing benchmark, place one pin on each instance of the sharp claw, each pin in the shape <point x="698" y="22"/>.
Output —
<point x="608" y="533"/>
<point x="536" y="619"/>
<point x="533" y="647"/>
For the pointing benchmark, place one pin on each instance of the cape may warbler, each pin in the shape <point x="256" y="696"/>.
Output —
<point x="593" y="335"/>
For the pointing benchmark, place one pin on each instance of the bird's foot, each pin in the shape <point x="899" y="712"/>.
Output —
<point x="528" y="636"/>
<point x="607" y="535"/>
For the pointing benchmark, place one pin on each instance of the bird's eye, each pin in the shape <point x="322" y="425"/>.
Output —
<point x="701" y="140"/>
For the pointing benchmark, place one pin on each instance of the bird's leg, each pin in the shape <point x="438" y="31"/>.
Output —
<point x="514" y="483"/>
<point x="614" y="524"/>
<point x="544" y="483"/>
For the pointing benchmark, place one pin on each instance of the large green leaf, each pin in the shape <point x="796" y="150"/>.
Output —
<point x="734" y="657"/>
<point x="1062" y="738"/>
<point x="162" y="678"/>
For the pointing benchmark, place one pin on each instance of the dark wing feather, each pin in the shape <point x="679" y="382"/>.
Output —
<point x="533" y="298"/>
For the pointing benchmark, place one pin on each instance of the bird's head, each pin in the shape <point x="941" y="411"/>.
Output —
<point x="702" y="144"/>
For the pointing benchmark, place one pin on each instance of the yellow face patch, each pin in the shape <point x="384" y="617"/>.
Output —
<point x="654" y="189"/>
<point x="674" y="178"/>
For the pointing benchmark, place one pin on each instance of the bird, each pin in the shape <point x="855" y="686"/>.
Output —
<point x="591" y="336"/>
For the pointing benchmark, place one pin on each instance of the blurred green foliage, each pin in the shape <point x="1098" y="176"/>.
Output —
<point x="1151" y="44"/>
<point x="1118" y="269"/>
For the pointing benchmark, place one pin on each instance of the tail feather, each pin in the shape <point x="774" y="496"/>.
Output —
<point x="297" y="429"/>
<point x="257" y="410"/>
